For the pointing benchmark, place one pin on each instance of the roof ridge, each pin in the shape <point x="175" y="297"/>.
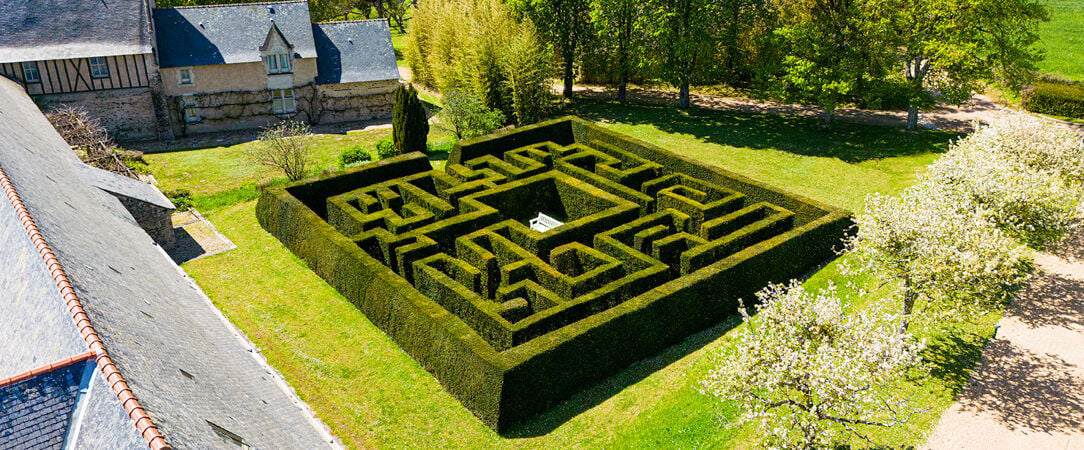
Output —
<point x="89" y="354"/>
<point x="116" y="381"/>
<point x="333" y="22"/>
<point x="230" y="5"/>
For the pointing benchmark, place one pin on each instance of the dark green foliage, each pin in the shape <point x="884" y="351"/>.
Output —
<point x="353" y="155"/>
<point x="409" y="122"/>
<point x="513" y="320"/>
<point x="1059" y="99"/>
<point x="385" y="148"/>
<point x="181" y="198"/>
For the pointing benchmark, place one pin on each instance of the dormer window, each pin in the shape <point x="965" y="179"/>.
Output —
<point x="184" y="76"/>
<point x="278" y="63"/>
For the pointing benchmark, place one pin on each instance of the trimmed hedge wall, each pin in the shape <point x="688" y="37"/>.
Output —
<point x="513" y="321"/>
<point x="1058" y="99"/>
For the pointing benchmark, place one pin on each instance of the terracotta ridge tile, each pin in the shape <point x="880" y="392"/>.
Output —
<point x="89" y="354"/>
<point x="135" y="411"/>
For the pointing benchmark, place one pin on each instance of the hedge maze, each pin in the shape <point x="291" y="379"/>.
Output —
<point x="650" y="248"/>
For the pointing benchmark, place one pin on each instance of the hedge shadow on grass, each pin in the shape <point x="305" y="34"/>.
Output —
<point x="850" y="142"/>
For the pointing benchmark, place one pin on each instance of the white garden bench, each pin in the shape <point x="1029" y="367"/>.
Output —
<point x="544" y="223"/>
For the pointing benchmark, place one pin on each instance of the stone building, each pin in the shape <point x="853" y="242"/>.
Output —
<point x="95" y="54"/>
<point x="167" y="72"/>
<point x="104" y="342"/>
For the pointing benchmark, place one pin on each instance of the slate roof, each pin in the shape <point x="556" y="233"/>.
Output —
<point x="122" y="185"/>
<point x="37" y="412"/>
<point x="183" y="361"/>
<point x="62" y="29"/>
<point x="227" y="34"/>
<point x="348" y="52"/>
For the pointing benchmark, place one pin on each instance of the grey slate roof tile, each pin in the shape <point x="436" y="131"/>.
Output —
<point x="121" y="278"/>
<point x="36" y="412"/>
<point x="349" y="52"/>
<point x="227" y="34"/>
<point x="61" y="29"/>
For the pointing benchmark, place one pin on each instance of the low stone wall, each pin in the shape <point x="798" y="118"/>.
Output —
<point x="155" y="220"/>
<point x="347" y="102"/>
<point x="127" y="113"/>
<point x="238" y="110"/>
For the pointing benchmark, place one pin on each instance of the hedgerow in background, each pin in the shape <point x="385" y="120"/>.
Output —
<point x="807" y="373"/>
<point x="1058" y="99"/>
<point x="409" y="121"/>
<point x="285" y="146"/>
<point x="466" y="117"/>
<point x="526" y="78"/>
<point x="468" y="45"/>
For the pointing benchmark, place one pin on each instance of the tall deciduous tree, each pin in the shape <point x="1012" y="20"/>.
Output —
<point x="619" y="25"/>
<point x="827" y="46"/>
<point x="566" y="24"/>
<point x="682" y="41"/>
<point x="950" y="46"/>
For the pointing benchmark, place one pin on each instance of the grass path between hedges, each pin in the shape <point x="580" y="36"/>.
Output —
<point x="374" y="395"/>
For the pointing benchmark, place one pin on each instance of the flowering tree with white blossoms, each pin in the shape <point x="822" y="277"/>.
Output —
<point x="1019" y="186"/>
<point x="937" y="249"/>
<point x="807" y="373"/>
<point x="1034" y="142"/>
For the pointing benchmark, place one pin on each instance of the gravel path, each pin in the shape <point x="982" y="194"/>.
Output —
<point x="1028" y="390"/>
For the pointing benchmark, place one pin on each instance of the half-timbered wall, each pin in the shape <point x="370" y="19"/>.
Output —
<point x="73" y="75"/>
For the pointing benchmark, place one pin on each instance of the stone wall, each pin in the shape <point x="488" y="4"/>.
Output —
<point x="316" y="104"/>
<point x="348" y="102"/>
<point x="127" y="113"/>
<point x="155" y="220"/>
<point x="238" y="110"/>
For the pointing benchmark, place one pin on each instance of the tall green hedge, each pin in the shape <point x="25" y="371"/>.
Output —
<point x="533" y="342"/>
<point x="1058" y="99"/>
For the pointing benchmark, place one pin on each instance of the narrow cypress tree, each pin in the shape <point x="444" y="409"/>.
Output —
<point x="410" y="126"/>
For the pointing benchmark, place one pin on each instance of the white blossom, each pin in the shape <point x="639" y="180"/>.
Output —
<point x="807" y="373"/>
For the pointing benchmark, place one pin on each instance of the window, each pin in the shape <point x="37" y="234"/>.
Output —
<point x="30" y="72"/>
<point x="185" y="76"/>
<point x="191" y="110"/>
<point x="282" y="101"/>
<point x="278" y="63"/>
<point x="98" y="67"/>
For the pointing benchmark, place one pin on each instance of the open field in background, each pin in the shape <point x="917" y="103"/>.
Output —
<point x="1063" y="39"/>
<point x="372" y="394"/>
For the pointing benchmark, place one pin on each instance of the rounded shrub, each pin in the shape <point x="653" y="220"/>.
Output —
<point x="353" y="155"/>
<point x="385" y="148"/>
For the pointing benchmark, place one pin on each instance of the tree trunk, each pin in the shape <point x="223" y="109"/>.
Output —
<point x="569" y="75"/>
<point x="622" y="90"/>
<point x="829" y="117"/>
<point x="912" y="118"/>
<point x="683" y="98"/>
<point x="908" y="305"/>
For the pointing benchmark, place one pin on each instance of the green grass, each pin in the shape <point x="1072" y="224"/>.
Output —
<point x="222" y="176"/>
<point x="374" y="395"/>
<point x="838" y="166"/>
<point x="1063" y="39"/>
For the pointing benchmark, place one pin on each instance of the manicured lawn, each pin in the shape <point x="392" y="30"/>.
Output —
<point x="373" y="395"/>
<point x="1063" y="39"/>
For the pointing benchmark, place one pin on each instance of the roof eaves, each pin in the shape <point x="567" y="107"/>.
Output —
<point x="113" y="377"/>
<point x="229" y="5"/>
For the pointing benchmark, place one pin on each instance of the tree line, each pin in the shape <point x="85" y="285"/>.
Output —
<point x="824" y="52"/>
